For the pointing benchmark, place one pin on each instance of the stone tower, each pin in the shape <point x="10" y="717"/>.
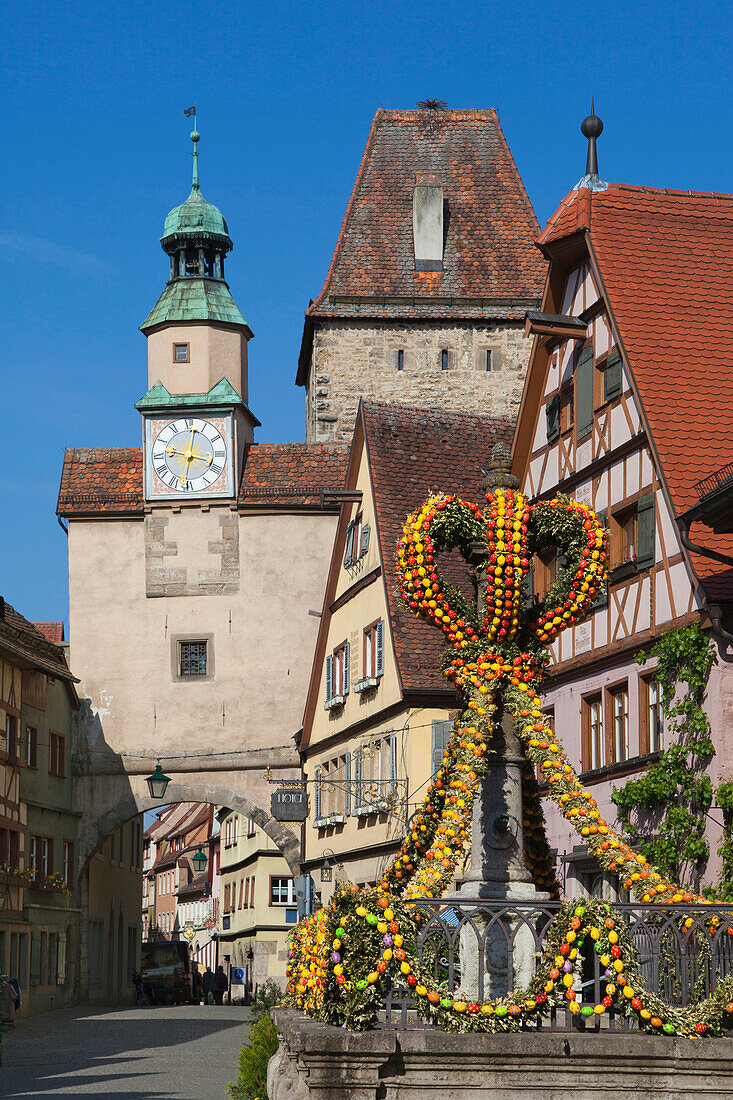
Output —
<point x="433" y="271"/>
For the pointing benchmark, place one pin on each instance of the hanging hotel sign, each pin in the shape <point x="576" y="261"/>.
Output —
<point x="290" y="804"/>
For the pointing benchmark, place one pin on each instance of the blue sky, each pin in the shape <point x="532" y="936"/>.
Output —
<point x="96" y="151"/>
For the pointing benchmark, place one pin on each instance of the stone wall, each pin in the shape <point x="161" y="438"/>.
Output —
<point x="316" y="1062"/>
<point x="353" y="359"/>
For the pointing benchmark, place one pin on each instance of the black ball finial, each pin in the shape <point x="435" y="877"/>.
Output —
<point x="591" y="128"/>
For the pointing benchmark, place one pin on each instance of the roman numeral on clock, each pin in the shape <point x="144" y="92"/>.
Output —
<point x="216" y="469"/>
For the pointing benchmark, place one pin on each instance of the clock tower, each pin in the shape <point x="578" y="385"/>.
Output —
<point x="196" y="421"/>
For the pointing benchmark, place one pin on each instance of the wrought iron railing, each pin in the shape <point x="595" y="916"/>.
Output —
<point x="487" y="948"/>
<point x="715" y="481"/>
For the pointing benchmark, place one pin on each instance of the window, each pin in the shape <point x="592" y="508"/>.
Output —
<point x="593" y="755"/>
<point x="241" y="894"/>
<point x="68" y="864"/>
<point x="246" y="893"/>
<point x="357" y="540"/>
<point x="400" y="360"/>
<point x="180" y="353"/>
<point x="227" y="897"/>
<point x="282" y="891"/>
<point x="235" y="824"/>
<point x="488" y="359"/>
<point x="376" y="771"/>
<point x="335" y="786"/>
<point x="633" y="540"/>
<point x="619" y="715"/>
<point x="192" y="659"/>
<point x="56" y="754"/>
<point x="337" y="672"/>
<point x="251" y="827"/>
<point x="42" y="855"/>
<point x="444" y="359"/>
<point x="374" y="651"/>
<point x="252" y="892"/>
<point x="567" y="408"/>
<point x="440" y="736"/>
<point x="31" y="746"/>
<point x="545" y="571"/>
<point x="650" y="732"/>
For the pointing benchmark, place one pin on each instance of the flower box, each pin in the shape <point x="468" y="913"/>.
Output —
<point x="334" y="701"/>
<point x="329" y="819"/>
<point x="367" y="684"/>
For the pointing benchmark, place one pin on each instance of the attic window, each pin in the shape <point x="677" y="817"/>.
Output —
<point x="427" y="225"/>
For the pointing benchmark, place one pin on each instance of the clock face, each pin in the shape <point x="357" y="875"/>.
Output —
<point x="189" y="456"/>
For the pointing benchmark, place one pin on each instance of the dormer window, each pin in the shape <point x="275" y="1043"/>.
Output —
<point x="427" y="224"/>
<point x="181" y="353"/>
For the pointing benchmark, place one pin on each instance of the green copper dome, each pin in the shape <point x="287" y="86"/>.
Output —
<point x="195" y="216"/>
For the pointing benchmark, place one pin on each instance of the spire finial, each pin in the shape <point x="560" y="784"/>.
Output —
<point x="591" y="128"/>
<point x="195" y="138"/>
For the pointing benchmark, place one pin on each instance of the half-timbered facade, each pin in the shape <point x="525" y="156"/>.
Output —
<point x="379" y="710"/>
<point x="626" y="407"/>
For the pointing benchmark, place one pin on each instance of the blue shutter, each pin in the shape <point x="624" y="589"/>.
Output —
<point x="392" y="758"/>
<point x="357" y="777"/>
<point x="379" y="665"/>
<point x="584" y="394"/>
<point x="441" y="735"/>
<point x="345" y="685"/>
<point x="329" y="677"/>
<point x="366" y="532"/>
<point x="552" y="412"/>
<point x="645" y="549"/>
<point x="349" y="555"/>
<point x="317" y="798"/>
<point x="347" y="784"/>
<point x="612" y="376"/>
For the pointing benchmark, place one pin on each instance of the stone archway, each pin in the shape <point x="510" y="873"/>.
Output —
<point x="131" y="805"/>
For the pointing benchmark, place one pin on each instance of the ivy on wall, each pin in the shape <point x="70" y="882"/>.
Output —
<point x="677" y="790"/>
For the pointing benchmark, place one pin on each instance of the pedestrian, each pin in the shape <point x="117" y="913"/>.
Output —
<point x="207" y="983"/>
<point x="220" y="985"/>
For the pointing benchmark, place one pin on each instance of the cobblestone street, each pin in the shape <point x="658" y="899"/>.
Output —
<point x="177" y="1053"/>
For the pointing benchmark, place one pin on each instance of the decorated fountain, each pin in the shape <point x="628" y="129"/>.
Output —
<point x="485" y="801"/>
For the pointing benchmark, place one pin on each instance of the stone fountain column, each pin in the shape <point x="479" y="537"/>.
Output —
<point x="501" y="951"/>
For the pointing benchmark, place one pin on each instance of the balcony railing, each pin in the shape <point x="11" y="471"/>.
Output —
<point x="715" y="481"/>
<point x="487" y="948"/>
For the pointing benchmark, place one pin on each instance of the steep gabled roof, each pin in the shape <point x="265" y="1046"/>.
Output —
<point x="52" y="632"/>
<point x="411" y="452"/>
<point x="491" y="268"/>
<point x="665" y="262"/>
<point x="292" y="473"/>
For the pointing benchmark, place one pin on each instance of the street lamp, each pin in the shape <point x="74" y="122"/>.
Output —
<point x="199" y="860"/>
<point x="158" y="782"/>
<point x="326" y="869"/>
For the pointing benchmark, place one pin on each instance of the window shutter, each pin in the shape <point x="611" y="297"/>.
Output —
<point x="392" y="757"/>
<point x="317" y="798"/>
<point x="584" y="394"/>
<point x="61" y="959"/>
<point x="347" y="784"/>
<point x="35" y="958"/>
<point x="345" y="685"/>
<point x="366" y="532"/>
<point x="645" y="551"/>
<point x="552" y="412"/>
<point x="613" y="375"/>
<point x="349" y="555"/>
<point x="379" y="664"/>
<point x="329" y="677"/>
<point x="357" y="777"/>
<point x="601" y="597"/>
<point x="441" y="736"/>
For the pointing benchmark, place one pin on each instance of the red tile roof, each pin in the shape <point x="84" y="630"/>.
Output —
<point x="292" y="473"/>
<point x="413" y="452"/>
<point x="666" y="261"/>
<point x="52" y="632"/>
<point x="491" y="268"/>
<point x="110" y="480"/>
<point x="23" y="639"/>
<point x="101" y="479"/>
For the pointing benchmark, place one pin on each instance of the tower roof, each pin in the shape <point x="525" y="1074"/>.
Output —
<point x="490" y="267"/>
<point x="195" y="217"/>
<point x="194" y="299"/>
